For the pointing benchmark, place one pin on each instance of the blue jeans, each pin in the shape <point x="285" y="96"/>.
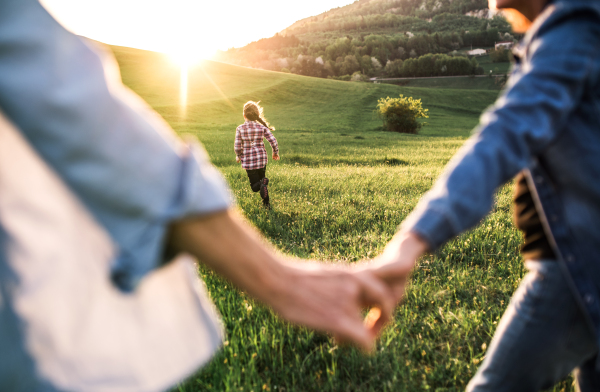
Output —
<point x="542" y="337"/>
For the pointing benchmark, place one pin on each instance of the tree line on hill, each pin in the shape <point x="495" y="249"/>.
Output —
<point x="371" y="55"/>
<point x="368" y="14"/>
<point x="444" y="22"/>
<point x="433" y="65"/>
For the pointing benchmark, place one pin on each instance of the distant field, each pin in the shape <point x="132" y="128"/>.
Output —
<point x="496" y="68"/>
<point x="338" y="194"/>
<point x="490" y="84"/>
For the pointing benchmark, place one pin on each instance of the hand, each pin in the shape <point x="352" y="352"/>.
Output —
<point x="238" y="159"/>
<point x="397" y="261"/>
<point x="275" y="157"/>
<point x="331" y="299"/>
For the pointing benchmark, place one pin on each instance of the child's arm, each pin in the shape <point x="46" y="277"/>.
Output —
<point x="237" y="146"/>
<point x="273" y="142"/>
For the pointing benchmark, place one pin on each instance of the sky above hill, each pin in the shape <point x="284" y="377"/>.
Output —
<point x="183" y="27"/>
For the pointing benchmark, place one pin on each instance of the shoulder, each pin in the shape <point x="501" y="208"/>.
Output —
<point x="567" y="24"/>
<point x="564" y="39"/>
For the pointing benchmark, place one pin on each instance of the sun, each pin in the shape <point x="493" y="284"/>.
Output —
<point x="185" y="58"/>
<point x="186" y="55"/>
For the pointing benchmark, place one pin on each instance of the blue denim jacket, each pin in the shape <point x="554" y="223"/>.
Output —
<point x="546" y="122"/>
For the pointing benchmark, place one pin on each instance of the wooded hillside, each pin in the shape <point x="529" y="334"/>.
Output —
<point x="375" y="37"/>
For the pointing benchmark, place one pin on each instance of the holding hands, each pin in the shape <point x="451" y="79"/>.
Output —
<point x="328" y="298"/>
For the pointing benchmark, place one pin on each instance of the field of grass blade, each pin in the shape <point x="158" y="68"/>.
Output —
<point x="339" y="192"/>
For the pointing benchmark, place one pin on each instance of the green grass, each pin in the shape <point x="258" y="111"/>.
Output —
<point x="338" y="194"/>
<point x="496" y="68"/>
<point x="460" y="83"/>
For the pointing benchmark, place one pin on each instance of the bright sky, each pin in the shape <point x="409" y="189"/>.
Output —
<point x="183" y="26"/>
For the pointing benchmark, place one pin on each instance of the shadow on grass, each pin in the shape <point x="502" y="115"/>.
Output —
<point x="308" y="161"/>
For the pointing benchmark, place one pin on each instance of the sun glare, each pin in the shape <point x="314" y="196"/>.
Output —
<point x="185" y="57"/>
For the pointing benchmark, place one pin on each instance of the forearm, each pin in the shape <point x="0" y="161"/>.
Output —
<point x="228" y="246"/>
<point x="273" y="142"/>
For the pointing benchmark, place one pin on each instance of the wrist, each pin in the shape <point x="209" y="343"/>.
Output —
<point x="277" y="285"/>
<point x="411" y="244"/>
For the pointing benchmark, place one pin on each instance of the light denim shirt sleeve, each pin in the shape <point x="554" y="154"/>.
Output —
<point x="541" y="94"/>
<point x="117" y="155"/>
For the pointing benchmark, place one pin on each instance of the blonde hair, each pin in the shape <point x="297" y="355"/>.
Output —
<point x="254" y="112"/>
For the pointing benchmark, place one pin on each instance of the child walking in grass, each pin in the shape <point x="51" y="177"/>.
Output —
<point x="250" y="149"/>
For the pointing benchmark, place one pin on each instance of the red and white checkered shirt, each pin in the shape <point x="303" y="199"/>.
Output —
<point x="249" y="145"/>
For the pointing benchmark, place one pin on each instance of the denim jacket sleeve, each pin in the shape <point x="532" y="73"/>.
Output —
<point x="118" y="156"/>
<point x="555" y="61"/>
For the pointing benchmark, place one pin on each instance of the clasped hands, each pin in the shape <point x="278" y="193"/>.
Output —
<point x="333" y="297"/>
<point x="392" y="270"/>
<point x="325" y="297"/>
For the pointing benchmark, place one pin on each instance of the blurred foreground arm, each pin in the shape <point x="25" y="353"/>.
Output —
<point x="326" y="298"/>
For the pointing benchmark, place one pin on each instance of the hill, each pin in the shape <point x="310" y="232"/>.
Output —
<point x="375" y="37"/>
<point x="217" y="92"/>
<point x="412" y="15"/>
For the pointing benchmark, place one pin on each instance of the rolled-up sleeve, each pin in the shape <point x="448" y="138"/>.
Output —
<point x="272" y="141"/>
<point x="237" y="145"/>
<point x="527" y="117"/>
<point x="117" y="155"/>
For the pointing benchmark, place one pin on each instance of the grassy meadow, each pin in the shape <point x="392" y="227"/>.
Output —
<point x="338" y="194"/>
<point x="456" y="83"/>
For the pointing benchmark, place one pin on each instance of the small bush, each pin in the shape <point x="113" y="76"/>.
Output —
<point x="345" y="78"/>
<point x="500" y="55"/>
<point x="401" y="114"/>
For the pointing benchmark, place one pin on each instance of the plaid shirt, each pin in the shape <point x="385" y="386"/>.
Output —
<point x="249" y="146"/>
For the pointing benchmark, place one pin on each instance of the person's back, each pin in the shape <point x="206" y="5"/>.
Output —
<point x="250" y="149"/>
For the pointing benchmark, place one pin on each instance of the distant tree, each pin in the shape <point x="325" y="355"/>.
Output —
<point x="409" y="67"/>
<point x="358" y="77"/>
<point x="376" y="63"/>
<point x="366" y="65"/>
<point x="393" y="68"/>
<point x="499" y="55"/>
<point x="349" y="65"/>
<point x="401" y="114"/>
<point x="401" y="53"/>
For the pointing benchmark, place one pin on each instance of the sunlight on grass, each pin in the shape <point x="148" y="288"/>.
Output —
<point x="185" y="56"/>
<point x="183" y="91"/>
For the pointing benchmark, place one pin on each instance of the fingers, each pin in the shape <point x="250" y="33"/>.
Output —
<point x="354" y="330"/>
<point x="374" y="320"/>
<point x="374" y="292"/>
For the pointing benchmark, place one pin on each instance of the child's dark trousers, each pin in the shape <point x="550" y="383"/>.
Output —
<point x="255" y="176"/>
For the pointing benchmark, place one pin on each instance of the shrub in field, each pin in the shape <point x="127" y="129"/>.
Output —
<point x="500" y="55"/>
<point x="401" y="114"/>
